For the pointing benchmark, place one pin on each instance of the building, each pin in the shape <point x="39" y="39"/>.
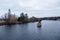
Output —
<point x="11" y="19"/>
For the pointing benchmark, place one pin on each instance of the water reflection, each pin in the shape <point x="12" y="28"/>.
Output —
<point x="30" y="31"/>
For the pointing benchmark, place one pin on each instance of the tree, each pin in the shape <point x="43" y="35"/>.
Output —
<point x="22" y="14"/>
<point x="26" y="16"/>
<point x="22" y="17"/>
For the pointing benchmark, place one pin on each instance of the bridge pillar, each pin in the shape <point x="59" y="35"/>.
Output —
<point x="39" y="24"/>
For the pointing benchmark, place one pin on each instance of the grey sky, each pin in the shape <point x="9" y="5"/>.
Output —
<point x="37" y="8"/>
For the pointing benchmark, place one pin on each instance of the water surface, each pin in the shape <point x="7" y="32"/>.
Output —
<point x="50" y="30"/>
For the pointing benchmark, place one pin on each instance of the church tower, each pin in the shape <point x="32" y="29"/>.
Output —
<point x="9" y="13"/>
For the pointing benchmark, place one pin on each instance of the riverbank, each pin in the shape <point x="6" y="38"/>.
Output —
<point x="4" y="23"/>
<point x="23" y="22"/>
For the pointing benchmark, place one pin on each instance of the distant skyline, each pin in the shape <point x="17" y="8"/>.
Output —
<point x="37" y="8"/>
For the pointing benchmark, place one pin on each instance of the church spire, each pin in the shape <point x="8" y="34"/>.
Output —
<point x="9" y="11"/>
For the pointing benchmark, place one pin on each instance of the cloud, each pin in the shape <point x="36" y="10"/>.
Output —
<point x="39" y="4"/>
<point x="31" y="6"/>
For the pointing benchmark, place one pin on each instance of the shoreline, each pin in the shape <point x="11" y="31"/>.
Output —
<point x="18" y="22"/>
<point x="4" y="23"/>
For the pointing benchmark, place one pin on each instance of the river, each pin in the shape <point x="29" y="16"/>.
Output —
<point x="50" y="30"/>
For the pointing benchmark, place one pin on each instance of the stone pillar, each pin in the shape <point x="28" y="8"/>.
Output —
<point x="39" y="24"/>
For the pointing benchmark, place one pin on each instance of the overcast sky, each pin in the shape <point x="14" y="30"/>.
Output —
<point x="37" y="8"/>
